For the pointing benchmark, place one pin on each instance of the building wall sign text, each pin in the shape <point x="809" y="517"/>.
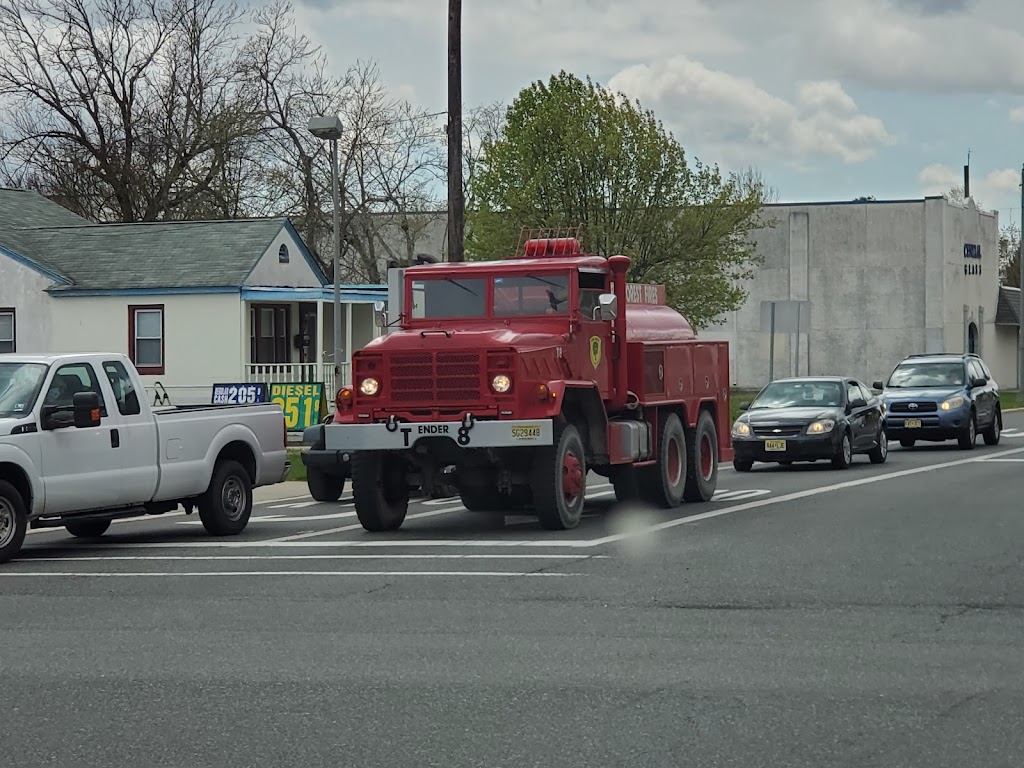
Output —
<point x="972" y="259"/>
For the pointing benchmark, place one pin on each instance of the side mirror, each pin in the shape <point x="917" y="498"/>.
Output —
<point x="86" y="409"/>
<point x="608" y="305"/>
<point x="380" y="314"/>
<point x="858" y="403"/>
<point x="979" y="382"/>
<point x="54" y="417"/>
<point x="878" y="385"/>
<point x="744" y="405"/>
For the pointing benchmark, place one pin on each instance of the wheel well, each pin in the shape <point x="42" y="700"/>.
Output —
<point x="242" y="453"/>
<point x="16" y="476"/>
<point x="584" y="407"/>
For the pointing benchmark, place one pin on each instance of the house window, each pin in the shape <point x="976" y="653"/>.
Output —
<point x="268" y="333"/>
<point x="7" y="331"/>
<point x="282" y="254"/>
<point x="146" y="338"/>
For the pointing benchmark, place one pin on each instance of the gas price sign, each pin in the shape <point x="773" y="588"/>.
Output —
<point x="239" y="394"/>
<point x="303" y="404"/>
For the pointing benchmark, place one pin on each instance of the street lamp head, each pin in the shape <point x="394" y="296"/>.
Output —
<point x="325" y="127"/>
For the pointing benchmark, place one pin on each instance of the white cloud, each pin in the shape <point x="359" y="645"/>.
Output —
<point x="1017" y="115"/>
<point x="988" y="191"/>
<point x="715" y="107"/>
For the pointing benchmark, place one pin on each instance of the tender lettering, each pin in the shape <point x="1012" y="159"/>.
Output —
<point x="432" y="429"/>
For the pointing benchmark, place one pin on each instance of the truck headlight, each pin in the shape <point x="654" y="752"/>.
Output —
<point x="501" y="383"/>
<point x="952" y="404"/>
<point x="369" y="386"/>
<point x="821" y="427"/>
<point x="741" y="429"/>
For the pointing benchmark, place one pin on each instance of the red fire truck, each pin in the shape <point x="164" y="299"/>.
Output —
<point x="519" y="377"/>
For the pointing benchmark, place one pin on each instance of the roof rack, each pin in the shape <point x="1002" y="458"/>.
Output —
<point x="945" y="354"/>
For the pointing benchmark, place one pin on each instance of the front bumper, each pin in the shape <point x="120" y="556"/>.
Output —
<point x="934" y="426"/>
<point x="789" y="448"/>
<point x="402" y="435"/>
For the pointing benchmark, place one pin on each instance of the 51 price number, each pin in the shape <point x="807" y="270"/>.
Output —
<point x="300" y="403"/>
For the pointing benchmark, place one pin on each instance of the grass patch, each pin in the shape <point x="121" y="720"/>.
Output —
<point x="737" y="396"/>
<point x="1011" y="400"/>
<point x="297" y="470"/>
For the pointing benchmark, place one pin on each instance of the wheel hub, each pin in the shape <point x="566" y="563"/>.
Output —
<point x="706" y="451"/>
<point x="674" y="465"/>
<point x="572" y="477"/>
<point x="233" y="498"/>
<point x="6" y="523"/>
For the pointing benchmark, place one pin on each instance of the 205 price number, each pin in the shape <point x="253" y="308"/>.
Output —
<point x="239" y="394"/>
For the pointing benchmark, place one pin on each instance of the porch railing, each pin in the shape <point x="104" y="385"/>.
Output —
<point x="285" y="373"/>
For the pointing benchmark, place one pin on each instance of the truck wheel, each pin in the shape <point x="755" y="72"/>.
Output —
<point x="701" y="460"/>
<point x="560" y="481"/>
<point x="13" y="521"/>
<point x="626" y="484"/>
<point x="227" y="504"/>
<point x="324" y="487"/>
<point x="87" y="529"/>
<point x="994" y="432"/>
<point x="380" y="490"/>
<point x="668" y="487"/>
<point x="480" y="500"/>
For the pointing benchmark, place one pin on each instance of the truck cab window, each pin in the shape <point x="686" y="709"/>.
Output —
<point x="448" y="297"/>
<point x="531" y="295"/>
<point x="591" y="286"/>
<point x="124" y="390"/>
<point x="68" y="381"/>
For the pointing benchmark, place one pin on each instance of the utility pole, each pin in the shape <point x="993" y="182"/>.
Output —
<point x="456" y="202"/>
<point x="1020" y="292"/>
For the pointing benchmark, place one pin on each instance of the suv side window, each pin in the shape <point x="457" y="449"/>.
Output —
<point x="974" y="370"/>
<point x="124" y="391"/>
<point x="68" y="381"/>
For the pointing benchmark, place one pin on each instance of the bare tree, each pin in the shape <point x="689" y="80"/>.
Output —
<point x="130" y="106"/>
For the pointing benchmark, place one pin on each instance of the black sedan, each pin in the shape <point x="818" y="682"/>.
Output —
<point x="810" y="418"/>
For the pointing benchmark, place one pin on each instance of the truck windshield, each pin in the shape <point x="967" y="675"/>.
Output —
<point x="531" y="295"/>
<point x="789" y="394"/>
<point x="922" y="374"/>
<point x="19" y="387"/>
<point x="448" y="297"/>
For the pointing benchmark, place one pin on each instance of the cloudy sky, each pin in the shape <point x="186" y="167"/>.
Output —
<point x="830" y="99"/>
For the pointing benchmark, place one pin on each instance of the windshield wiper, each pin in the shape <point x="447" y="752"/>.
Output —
<point x="470" y="291"/>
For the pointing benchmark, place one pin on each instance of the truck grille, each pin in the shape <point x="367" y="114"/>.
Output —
<point x="426" y="378"/>
<point x="905" y="408"/>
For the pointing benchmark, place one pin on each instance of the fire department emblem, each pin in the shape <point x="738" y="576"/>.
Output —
<point x="595" y="351"/>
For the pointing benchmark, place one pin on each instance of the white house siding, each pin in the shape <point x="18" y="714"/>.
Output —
<point x="21" y="288"/>
<point x="202" y="337"/>
<point x="884" y="279"/>
<point x="295" y="273"/>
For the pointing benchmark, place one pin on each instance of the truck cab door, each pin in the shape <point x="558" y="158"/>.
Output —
<point x="595" y="335"/>
<point x="81" y="466"/>
<point x="138" y="436"/>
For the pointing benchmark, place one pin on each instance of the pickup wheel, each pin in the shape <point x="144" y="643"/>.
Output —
<point x="380" y="490"/>
<point x="701" y="460"/>
<point x="324" y="487"/>
<point x="559" y="480"/>
<point x="13" y="521"/>
<point x="225" y="507"/>
<point x="87" y="529"/>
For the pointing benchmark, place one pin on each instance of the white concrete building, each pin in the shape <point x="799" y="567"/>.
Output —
<point x="879" y="280"/>
<point x="192" y="303"/>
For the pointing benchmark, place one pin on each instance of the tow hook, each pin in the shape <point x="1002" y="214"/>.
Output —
<point x="468" y="421"/>
<point x="391" y="424"/>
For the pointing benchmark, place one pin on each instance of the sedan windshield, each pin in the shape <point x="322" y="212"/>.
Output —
<point x="928" y="375"/>
<point x="19" y="386"/>
<point x="796" y="394"/>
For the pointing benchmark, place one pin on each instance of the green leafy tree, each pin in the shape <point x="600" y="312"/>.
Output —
<point x="571" y="152"/>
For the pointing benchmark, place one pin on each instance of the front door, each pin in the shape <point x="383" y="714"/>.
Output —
<point x="81" y="467"/>
<point x="137" y="436"/>
<point x="595" y="334"/>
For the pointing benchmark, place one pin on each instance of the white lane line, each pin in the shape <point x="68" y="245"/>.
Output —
<point x="1008" y="461"/>
<point x="277" y="574"/>
<point x="313" y="557"/>
<point x="810" y="492"/>
<point x="358" y="526"/>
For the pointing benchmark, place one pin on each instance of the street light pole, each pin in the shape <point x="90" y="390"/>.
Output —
<point x="329" y="128"/>
<point x="1020" y="291"/>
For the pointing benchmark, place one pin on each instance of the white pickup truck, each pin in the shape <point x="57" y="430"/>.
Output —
<point x="80" y="447"/>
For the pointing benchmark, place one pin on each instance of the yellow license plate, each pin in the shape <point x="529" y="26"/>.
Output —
<point x="912" y="423"/>
<point x="526" y="433"/>
<point x="775" y="445"/>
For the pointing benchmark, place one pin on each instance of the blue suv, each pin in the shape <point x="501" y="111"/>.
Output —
<point x="939" y="397"/>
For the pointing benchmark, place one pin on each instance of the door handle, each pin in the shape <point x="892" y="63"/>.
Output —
<point x="115" y="439"/>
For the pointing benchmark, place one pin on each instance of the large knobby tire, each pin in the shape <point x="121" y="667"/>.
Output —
<point x="324" y="486"/>
<point x="701" y="459"/>
<point x="880" y="452"/>
<point x="491" y="500"/>
<point x="227" y="504"/>
<point x="968" y="437"/>
<point x="626" y="483"/>
<point x="843" y="457"/>
<point x="380" y="490"/>
<point x="87" y="529"/>
<point x="667" y="487"/>
<point x="559" y="480"/>
<point x="13" y="521"/>
<point x="995" y="429"/>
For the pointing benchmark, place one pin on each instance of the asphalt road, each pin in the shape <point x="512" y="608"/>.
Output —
<point x="805" y="617"/>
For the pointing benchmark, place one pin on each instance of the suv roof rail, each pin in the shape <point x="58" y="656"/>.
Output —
<point x="944" y="354"/>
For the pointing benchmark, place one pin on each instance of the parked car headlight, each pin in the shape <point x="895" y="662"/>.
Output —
<point x="821" y="427"/>
<point x="369" y="386"/>
<point x="741" y="429"/>
<point x="952" y="404"/>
